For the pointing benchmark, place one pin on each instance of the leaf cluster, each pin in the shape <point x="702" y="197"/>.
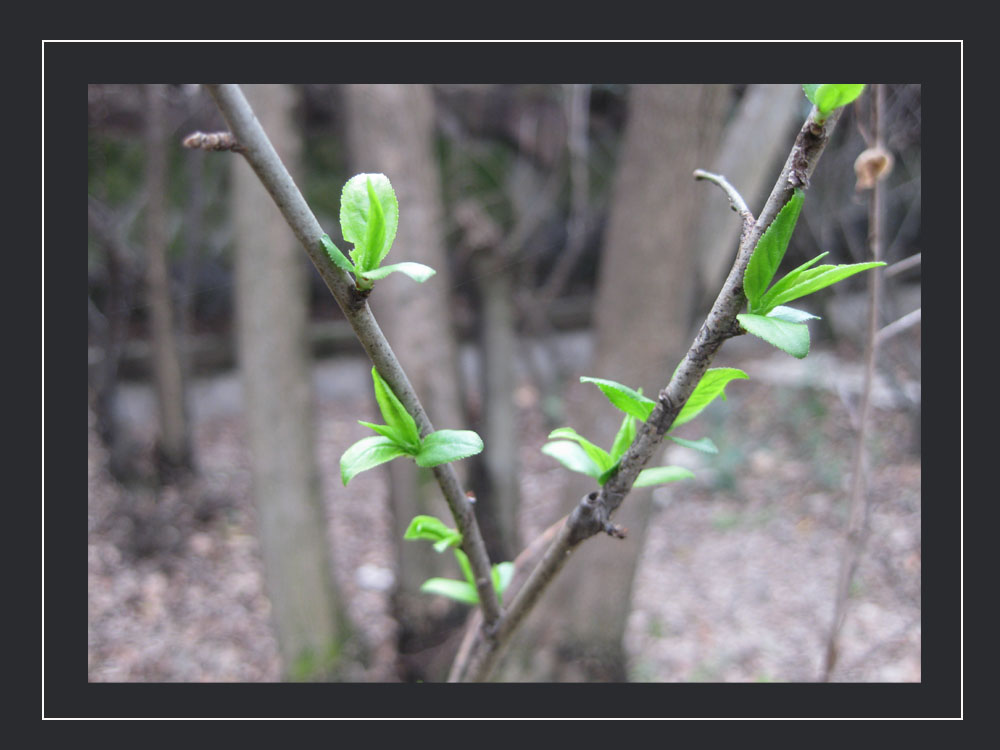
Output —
<point x="434" y="530"/>
<point x="579" y="454"/>
<point x="767" y="315"/>
<point x="369" y="217"/>
<point x="399" y="437"/>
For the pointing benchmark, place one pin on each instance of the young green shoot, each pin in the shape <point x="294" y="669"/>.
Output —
<point x="369" y="217"/>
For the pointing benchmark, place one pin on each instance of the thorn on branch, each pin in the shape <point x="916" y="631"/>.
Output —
<point x="223" y="141"/>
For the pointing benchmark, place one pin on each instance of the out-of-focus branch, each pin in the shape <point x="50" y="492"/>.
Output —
<point x="254" y="145"/>
<point x="898" y="326"/>
<point x="857" y="525"/>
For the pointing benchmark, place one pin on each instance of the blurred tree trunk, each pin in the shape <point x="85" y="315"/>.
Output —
<point x="110" y="329"/>
<point x="642" y="314"/>
<point x="174" y="442"/>
<point x="271" y="315"/>
<point x="390" y="130"/>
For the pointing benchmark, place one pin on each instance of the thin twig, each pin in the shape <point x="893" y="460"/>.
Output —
<point x="260" y="154"/>
<point x="860" y="507"/>
<point x="911" y="261"/>
<point x="898" y="326"/>
<point x="735" y="199"/>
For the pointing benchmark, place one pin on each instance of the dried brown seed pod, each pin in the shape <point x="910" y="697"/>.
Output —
<point x="872" y="165"/>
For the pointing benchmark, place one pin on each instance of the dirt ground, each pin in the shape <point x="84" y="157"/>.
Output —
<point x="736" y="582"/>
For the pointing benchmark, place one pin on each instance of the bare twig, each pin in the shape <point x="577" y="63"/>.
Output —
<point x="260" y="154"/>
<point x="593" y="514"/>
<point x="857" y="525"/>
<point x="898" y="326"/>
<point x="735" y="199"/>
<point x="905" y="264"/>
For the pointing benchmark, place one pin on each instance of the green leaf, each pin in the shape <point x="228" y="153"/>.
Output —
<point x="434" y="530"/>
<point x="771" y="249"/>
<point x="375" y="231"/>
<point x="624" y="398"/>
<point x="624" y="438"/>
<point x="461" y="591"/>
<point x="818" y="278"/>
<point x="598" y="455"/>
<point x="463" y="563"/>
<point x="416" y="271"/>
<point x="444" y="446"/>
<point x="662" y="475"/>
<point x="828" y="96"/>
<point x="336" y="255"/>
<point x="705" y="445"/>
<point x="764" y="305"/>
<point x="387" y="431"/>
<point x="369" y="217"/>
<point x="712" y="384"/>
<point x="366" y="454"/>
<point x="573" y="457"/>
<point x="503" y="573"/>
<point x="607" y="474"/>
<point x="789" y="337"/>
<point x="791" y="315"/>
<point x="397" y="419"/>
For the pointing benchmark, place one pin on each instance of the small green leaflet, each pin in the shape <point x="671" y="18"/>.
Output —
<point x="789" y="337"/>
<point x="573" y="457"/>
<point x="662" y="475"/>
<point x="369" y="216"/>
<point x="366" y="454"/>
<point x="771" y="249"/>
<point x="445" y="446"/>
<point x="399" y="437"/>
<point x="600" y="457"/>
<point x="705" y="445"/>
<point x="416" y="271"/>
<point x="712" y="384"/>
<point x="434" y="530"/>
<point x="828" y="96"/>
<point x="622" y="397"/>
<point x="812" y="280"/>
<point x="401" y="426"/>
<point x="335" y="255"/>
<point x="461" y="591"/>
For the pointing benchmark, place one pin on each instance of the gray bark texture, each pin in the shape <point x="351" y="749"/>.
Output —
<point x="390" y="129"/>
<point x="173" y="443"/>
<point x="643" y="311"/>
<point x="271" y="313"/>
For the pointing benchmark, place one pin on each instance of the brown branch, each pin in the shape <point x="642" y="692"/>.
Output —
<point x="593" y="514"/>
<point x="265" y="162"/>
<point x="860" y="507"/>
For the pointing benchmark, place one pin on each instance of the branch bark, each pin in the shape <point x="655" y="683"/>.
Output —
<point x="593" y="513"/>
<point x="255" y="146"/>
<point x="857" y="525"/>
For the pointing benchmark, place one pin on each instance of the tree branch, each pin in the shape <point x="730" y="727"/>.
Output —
<point x="860" y="508"/>
<point x="593" y="513"/>
<point x="255" y="146"/>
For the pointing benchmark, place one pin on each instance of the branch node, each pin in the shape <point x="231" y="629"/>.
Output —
<point x="223" y="141"/>
<point x="618" y="532"/>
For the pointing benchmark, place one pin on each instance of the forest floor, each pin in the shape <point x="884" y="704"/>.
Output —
<point x="736" y="580"/>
